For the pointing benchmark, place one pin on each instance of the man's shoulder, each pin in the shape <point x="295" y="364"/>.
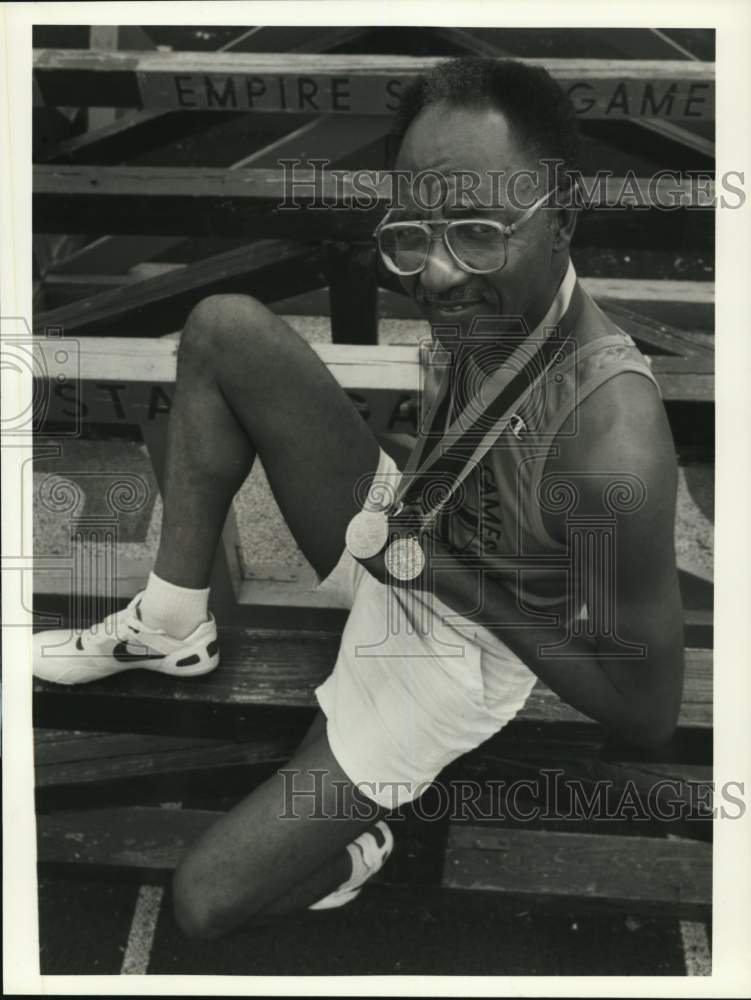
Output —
<point x="622" y="439"/>
<point x="617" y="404"/>
<point x="618" y="430"/>
<point x="620" y="460"/>
<point x="623" y="420"/>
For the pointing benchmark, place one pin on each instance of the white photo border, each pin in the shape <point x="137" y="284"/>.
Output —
<point x="731" y="19"/>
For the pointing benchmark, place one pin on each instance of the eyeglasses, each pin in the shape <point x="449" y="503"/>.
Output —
<point x="479" y="246"/>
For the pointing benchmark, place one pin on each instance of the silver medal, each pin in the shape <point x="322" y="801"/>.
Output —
<point x="405" y="559"/>
<point x="367" y="533"/>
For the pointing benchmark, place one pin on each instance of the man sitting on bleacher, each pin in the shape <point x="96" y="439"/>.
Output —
<point x="403" y="702"/>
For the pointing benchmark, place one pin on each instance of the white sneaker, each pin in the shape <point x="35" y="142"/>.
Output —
<point x="368" y="857"/>
<point x="122" y="642"/>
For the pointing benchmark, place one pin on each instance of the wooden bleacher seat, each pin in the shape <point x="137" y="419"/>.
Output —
<point x="628" y="873"/>
<point x="262" y="693"/>
<point x="270" y="669"/>
<point x="294" y="83"/>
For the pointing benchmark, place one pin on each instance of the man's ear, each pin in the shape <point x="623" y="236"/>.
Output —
<point x="565" y="224"/>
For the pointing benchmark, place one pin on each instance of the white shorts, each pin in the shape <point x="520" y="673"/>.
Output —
<point x="409" y="691"/>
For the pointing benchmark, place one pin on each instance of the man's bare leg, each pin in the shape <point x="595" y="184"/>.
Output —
<point x="248" y="384"/>
<point x="259" y="861"/>
<point x="292" y="898"/>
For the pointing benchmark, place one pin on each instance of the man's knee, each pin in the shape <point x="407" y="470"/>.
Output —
<point x="200" y="909"/>
<point x="194" y="918"/>
<point x="220" y="325"/>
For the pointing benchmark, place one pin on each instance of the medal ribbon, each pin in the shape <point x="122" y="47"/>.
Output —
<point x="479" y="419"/>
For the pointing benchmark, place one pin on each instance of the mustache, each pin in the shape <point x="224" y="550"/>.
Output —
<point x="450" y="298"/>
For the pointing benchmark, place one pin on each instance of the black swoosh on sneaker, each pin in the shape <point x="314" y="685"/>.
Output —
<point x="123" y="654"/>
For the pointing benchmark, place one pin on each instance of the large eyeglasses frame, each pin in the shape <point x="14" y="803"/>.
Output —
<point x="506" y="231"/>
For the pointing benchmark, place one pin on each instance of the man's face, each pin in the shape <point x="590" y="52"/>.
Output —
<point x="452" y="140"/>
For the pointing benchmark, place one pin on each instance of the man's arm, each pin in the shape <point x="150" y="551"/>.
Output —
<point x="637" y="697"/>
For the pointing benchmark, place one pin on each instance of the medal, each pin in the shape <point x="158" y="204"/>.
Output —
<point x="367" y="533"/>
<point x="405" y="559"/>
<point x="455" y="436"/>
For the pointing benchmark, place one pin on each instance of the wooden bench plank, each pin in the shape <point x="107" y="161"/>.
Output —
<point x="638" y="872"/>
<point x="362" y="191"/>
<point x="686" y="388"/>
<point x="264" y="202"/>
<point x="275" y="668"/>
<point x="80" y="760"/>
<point x="593" y="761"/>
<point x="582" y="786"/>
<point x="107" y="254"/>
<point x="160" y="307"/>
<point x="145" y="841"/>
<point x="680" y="134"/>
<point x="682" y="304"/>
<point x="153" y="363"/>
<point x="642" y="873"/>
<point x="72" y="757"/>
<point x="614" y="89"/>
<point x="655" y="336"/>
<point x="115" y="140"/>
<point x="124" y="138"/>
<point x="266" y="269"/>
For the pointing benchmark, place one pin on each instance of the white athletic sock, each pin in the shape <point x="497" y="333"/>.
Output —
<point x="178" y="610"/>
<point x="367" y="858"/>
<point x="360" y="870"/>
<point x="350" y="888"/>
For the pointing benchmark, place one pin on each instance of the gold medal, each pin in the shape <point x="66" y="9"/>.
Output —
<point x="367" y="533"/>
<point x="404" y="558"/>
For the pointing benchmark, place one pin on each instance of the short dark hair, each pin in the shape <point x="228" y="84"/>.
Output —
<point x="538" y="110"/>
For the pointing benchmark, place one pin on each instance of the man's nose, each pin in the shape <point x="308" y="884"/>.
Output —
<point x="441" y="272"/>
